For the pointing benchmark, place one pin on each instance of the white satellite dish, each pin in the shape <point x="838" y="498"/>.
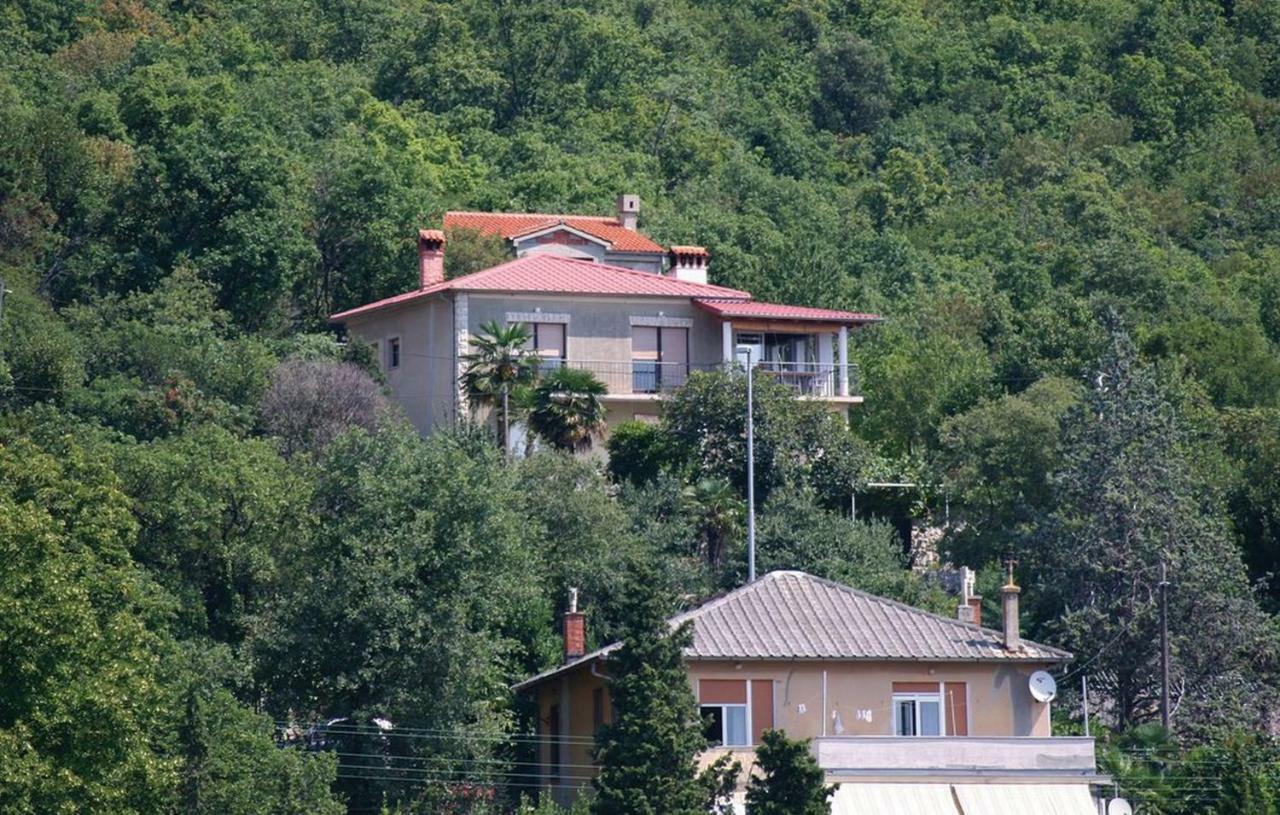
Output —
<point x="1043" y="687"/>
<point x="1119" y="806"/>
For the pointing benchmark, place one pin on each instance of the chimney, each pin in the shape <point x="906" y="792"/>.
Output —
<point x="970" y="608"/>
<point x="575" y="629"/>
<point x="689" y="263"/>
<point x="1009" y="598"/>
<point x="628" y="211"/>
<point x="430" y="257"/>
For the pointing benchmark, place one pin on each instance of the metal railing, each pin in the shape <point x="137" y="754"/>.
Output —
<point x="819" y="380"/>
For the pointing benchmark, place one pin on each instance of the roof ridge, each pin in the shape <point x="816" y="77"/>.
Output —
<point x="728" y="293"/>
<point x="908" y="607"/>
<point x="530" y="214"/>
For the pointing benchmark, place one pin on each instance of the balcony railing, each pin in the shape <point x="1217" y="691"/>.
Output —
<point x="956" y="755"/>
<point x="820" y="380"/>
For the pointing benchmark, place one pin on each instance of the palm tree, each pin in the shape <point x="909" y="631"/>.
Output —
<point x="498" y="365"/>
<point x="719" y="510"/>
<point x="567" y="410"/>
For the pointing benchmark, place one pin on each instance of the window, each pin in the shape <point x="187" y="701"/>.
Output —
<point x="393" y="352"/>
<point x="917" y="714"/>
<point x="548" y="340"/>
<point x="723" y="705"/>
<point x="659" y="358"/>
<point x="725" y="725"/>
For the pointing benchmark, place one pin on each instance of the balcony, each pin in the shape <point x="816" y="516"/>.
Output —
<point x="651" y="379"/>
<point x="886" y="757"/>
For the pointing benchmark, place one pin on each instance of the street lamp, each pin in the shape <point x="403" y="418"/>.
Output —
<point x="751" y="473"/>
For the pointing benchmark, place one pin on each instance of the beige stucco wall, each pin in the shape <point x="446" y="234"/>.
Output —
<point x="423" y="384"/>
<point x="998" y="701"/>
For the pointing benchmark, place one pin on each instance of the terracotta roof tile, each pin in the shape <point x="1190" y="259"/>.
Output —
<point x="778" y="311"/>
<point x="512" y="224"/>
<point x="553" y="274"/>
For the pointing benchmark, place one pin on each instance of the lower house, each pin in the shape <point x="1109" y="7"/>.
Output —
<point x="908" y="711"/>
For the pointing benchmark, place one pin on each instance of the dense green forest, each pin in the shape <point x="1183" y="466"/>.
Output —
<point x="215" y="531"/>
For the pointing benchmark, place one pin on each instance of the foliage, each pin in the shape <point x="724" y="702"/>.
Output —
<point x="705" y="421"/>
<point x="499" y="365"/>
<point x="406" y="595"/>
<point x="185" y="186"/>
<point x="1126" y="500"/>
<point x="81" y="697"/>
<point x="310" y="402"/>
<point x="567" y="411"/>
<point x="638" y="451"/>
<point x="646" y="754"/>
<point x="996" y="460"/>
<point x="790" y="780"/>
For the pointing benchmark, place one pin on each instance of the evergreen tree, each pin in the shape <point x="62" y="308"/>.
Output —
<point x="647" y="753"/>
<point x="1127" y="498"/>
<point x="790" y="780"/>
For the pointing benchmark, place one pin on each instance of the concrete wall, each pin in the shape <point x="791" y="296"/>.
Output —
<point x="423" y="384"/>
<point x="599" y="329"/>
<point x="999" y="704"/>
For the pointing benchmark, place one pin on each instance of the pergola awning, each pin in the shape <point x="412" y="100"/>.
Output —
<point x="962" y="799"/>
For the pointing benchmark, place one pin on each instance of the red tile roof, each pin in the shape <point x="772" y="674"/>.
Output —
<point x="777" y="311"/>
<point x="553" y="274"/>
<point x="513" y="224"/>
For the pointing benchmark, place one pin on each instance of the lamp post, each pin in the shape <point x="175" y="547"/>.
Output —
<point x="751" y="472"/>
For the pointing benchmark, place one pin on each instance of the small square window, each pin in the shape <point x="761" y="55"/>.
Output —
<point x="393" y="352"/>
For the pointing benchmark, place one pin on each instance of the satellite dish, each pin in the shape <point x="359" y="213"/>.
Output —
<point x="1043" y="688"/>
<point x="1119" y="806"/>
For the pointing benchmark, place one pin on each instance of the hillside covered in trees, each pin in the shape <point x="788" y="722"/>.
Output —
<point x="215" y="531"/>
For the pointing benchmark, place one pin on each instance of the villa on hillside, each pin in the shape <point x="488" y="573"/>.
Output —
<point x="596" y="294"/>
<point x="908" y="711"/>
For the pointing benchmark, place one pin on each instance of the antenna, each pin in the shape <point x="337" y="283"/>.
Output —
<point x="1043" y="687"/>
<point x="1119" y="806"/>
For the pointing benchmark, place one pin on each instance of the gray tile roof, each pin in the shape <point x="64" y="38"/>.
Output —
<point x="793" y="615"/>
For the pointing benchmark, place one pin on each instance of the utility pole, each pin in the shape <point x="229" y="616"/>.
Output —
<point x="751" y="473"/>
<point x="1084" y="696"/>
<point x="506" y="420"/>
<point x="1164" y="648"/>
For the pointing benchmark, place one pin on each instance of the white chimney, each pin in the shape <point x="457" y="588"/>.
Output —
<point x="1012" y="625"/>
<point x="689" y="263"/>
<point x="628" y="211"/>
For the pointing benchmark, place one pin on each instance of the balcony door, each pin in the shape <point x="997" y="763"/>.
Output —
<point x="659" y="358"/>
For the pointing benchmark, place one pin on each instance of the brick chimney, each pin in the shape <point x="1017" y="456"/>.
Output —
<point x="628" y="210"/>
<point x="1009" y="601"/>
<point x="575" y="629"/>
<point x="430" y="257"/>
<point x="689" y="263"/>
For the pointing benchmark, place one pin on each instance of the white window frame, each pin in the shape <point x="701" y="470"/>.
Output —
<point x="916" y="698"/>
<point x="724" y="719"/>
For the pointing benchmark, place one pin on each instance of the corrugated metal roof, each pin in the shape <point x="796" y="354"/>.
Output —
<point x="553" y="274"/>
<point x="794" y="615"/>
<point x="778" y="311"/>
<point x="513" y="224"/>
